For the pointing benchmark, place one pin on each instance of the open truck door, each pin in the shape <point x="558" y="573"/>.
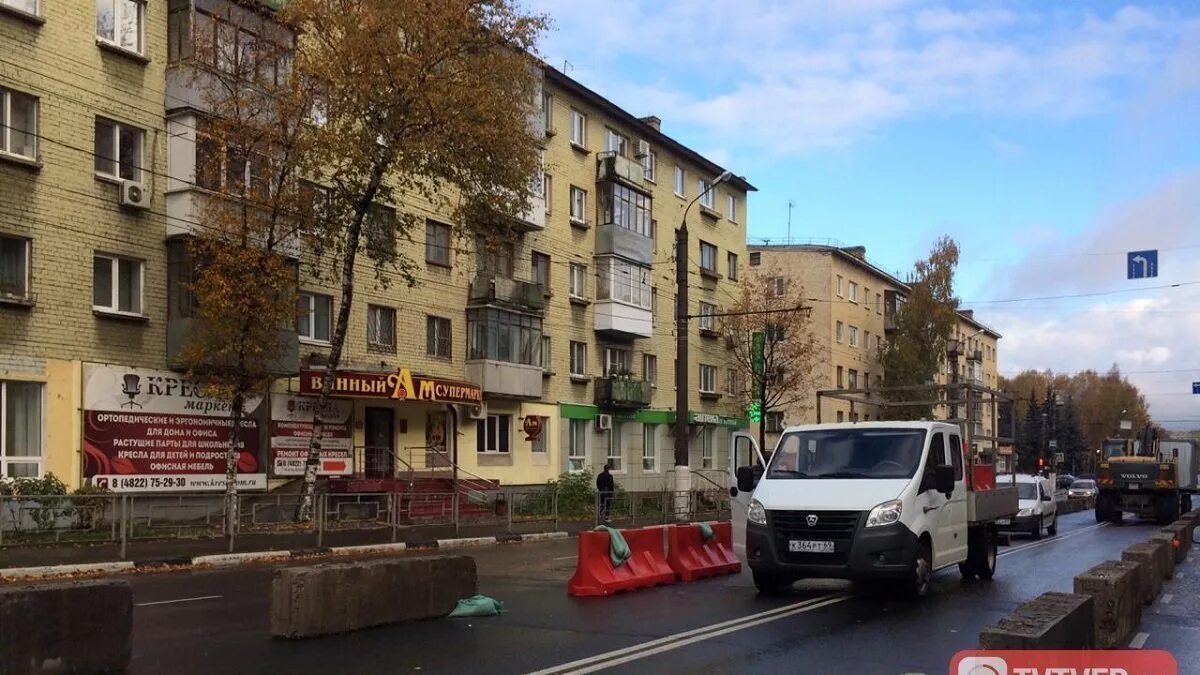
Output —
<point x="746" y="459"/>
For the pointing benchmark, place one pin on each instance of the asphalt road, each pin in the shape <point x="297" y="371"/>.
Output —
<point x="206" y="622"/>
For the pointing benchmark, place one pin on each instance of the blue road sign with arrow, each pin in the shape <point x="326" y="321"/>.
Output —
<point x="1142" y="264"/>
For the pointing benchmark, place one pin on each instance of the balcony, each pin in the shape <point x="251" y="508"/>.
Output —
<point x="505" y="379"/>
<point x="613" y="167"/>
<point x="613" y="239"/>
<point x="622" y="393"/>
<point x="889" y="321"/>
<point x="976" y="356"/>
<point x="534" y="219"/>
<point x="488" y="289"/>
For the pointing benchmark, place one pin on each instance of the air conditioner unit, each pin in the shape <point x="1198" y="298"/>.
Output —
<point x="604" y="423"/>
<point x="133" y="195"/>
<point x="477" y="412"/>
<point x="643" y="149"/>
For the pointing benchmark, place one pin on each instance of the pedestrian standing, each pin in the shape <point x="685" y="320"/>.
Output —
<point x="605" y="486"/>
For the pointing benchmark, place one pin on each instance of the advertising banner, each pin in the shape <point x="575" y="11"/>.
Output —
<point x="292" y="427"/>
<point x="150" y="430"/>
<point x="401" y="385"/>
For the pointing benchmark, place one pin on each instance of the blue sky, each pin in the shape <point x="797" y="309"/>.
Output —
<point x="1046" y="137"/>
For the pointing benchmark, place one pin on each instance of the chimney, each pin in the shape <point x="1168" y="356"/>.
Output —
<point x="859" y="252"/>
<point x="969" y="313"/>
<point x="653" y="121"/>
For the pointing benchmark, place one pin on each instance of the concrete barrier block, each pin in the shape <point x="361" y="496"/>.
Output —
<point x="1118" y="606"/>
<point x="1189" y="533"/>
<point x="342" y="597"/>
<point x="1167" y="540"/>
<point x="1150" y="572"/>
<point x="1179" y="533"/>
<point x="73" y="627"/>
<point x="1049" y="621"/>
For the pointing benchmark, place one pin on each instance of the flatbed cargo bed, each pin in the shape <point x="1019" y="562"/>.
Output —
<point x="986" y="506"/>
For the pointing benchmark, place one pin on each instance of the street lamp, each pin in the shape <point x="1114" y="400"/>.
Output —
<point x="683" y="476"/>
<point x="953" y="350"/>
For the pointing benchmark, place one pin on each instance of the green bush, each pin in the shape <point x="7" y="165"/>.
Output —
<point x="47" y="485"/>
<point x="576" y="496"/>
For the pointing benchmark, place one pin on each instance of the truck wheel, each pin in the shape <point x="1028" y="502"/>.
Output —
<point x="1185" y="503"/>
<point x="920" y="576"/>
<point x="770" y="584"/>
<point x="1103" y="507"/>
<point x="986" y="566"/>
<point x="1166" y="509"/>
<point x="1037" y="528"/>
<point x="981" y="554"/>
<point x="1053" y="529"/>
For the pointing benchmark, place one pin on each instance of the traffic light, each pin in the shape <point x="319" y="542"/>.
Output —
<point x="1041" y="462"/>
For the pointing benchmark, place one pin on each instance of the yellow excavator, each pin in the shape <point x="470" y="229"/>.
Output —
<point x="1154" y="484"/>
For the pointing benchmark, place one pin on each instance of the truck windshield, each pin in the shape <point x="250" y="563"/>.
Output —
<point x="848" y="453"/>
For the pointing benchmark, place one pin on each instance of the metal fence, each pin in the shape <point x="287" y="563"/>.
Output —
<point x="267" y="520"/>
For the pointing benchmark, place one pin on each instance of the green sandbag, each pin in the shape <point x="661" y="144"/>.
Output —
<point x="706" y="531"/>
<point x="477" y="605"/>
<point x="618" y="549"/>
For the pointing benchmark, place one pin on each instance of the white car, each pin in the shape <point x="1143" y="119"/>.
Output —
<point x="1038" y="510"/>
<point x="1083" y="487"/>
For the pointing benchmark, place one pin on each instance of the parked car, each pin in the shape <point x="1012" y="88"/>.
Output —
<point x="1038" y="510"/>
<point x="1082" y="488"/>
<point x="1065" y="480"/>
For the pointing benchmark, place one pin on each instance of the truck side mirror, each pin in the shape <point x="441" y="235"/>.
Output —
<point x="944" y="479"/>
<point x="746" y="480"/>
<point x="1046" y="497"/>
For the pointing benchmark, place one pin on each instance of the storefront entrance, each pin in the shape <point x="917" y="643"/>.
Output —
<point x="380" y="442"/>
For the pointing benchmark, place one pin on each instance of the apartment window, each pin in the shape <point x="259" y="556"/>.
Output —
<point x="708" y="322"/>
<point x="840" y="381"/>
<point x="314" y="312"/>
<point x="118" y="150"/>
<point x="578" y="205"/>
<point x="853" y="292"/>
<point x="379" y="231"/>
<point x="627" y="208"/>
<point x="680" y="177"/>
<point x="437" y="243"/>
<point x="775" y="421"/>
<point x="732" y="386"/>
<point x="878" y="303"/>
<point x="731" y="208"/>
<point x="617" y="362"/>
<point x="866" y="339"/>
<point x="577" y="445"/>
<point x="578" y="288"/>
<point x="578" y="359"/>
<point x="381" y="327"/>
<point x="539" y="444"/>
<point x="653" y="306"/>
<point x="708" y="379"/>
<point x="437" y="337"/>
<point x="578" y="128"/>
<point x="616" y="142"/>
<point x="615" y="456"/>
<point x="493" y="434"/>
<point x="18" y="124"/>
<point x="853" y="336"/>
<point x="650" y="165"/>
<point x="547" y="112"/>
<point x="841" y="328"/>
<point x="547" y="191"/>
<point x="650" y="448"/>
<point x="706" y="192"/>
<point x="778" y="286"/>
<point x="853" y="378"/>
<point x="546" y="352"/>
<point x="117" y="284"/>
<point x="878" y="343"/>
<point x="708" y="257"/>
<point x="866" y="380"/>
<point x="650" y="368"/>
<point x="30" y="7"/>
<point x="120" y="23"/>
<point x="775" y="333"/>
<point x="623" y="281"/>
<point x="731" y="261"/>
<point x="14" y="267"/>
<point x="20" y="429"/>
<point x="540" y="265"/>
<point x="497" y="335"/>
<point x="707" y="448"/>
<point x="494" y="258"/>
<point x="840" y="282"/>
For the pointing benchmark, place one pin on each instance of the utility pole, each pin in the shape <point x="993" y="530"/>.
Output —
<point x="683" y="476"/>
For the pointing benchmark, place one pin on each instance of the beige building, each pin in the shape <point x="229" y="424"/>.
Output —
<point x="568" y="329"/>
<point x="852" y="302"/>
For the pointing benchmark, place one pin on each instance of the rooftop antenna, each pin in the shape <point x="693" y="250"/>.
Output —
<point x="790" y="205"/>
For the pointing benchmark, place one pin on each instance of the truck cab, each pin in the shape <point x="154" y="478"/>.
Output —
<point x="868" y="501"/>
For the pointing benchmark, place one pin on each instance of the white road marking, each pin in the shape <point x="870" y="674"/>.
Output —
<point x="1053" y="540"/>
<point x="609" y="659"/>
<point x="172" y="602"/>
<point x="1139" y="640"/>
<point x="565" y="557"/>
<point x="1167" y="598"/>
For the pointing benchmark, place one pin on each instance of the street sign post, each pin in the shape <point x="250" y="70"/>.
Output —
<point x="1196" y="388"/>
<point x="1141" y="264"/>
<point x="1060" y="457"/>
<point x="1053" y="444"/>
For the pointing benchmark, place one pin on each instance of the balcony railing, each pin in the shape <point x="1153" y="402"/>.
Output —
<point x="889" y="320"/>
<point x="488" y="288"/>
<point x="612" y="166"/>
<point x="622" y="393"/>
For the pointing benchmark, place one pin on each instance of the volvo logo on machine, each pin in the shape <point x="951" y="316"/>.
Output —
<point x="812" y="520"/>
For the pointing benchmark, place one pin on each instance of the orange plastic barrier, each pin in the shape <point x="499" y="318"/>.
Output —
<point x="693" y="558"/>
<point x="646" y="566"/>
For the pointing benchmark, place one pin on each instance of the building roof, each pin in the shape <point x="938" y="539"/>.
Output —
<point x="968" y="316"/>
<point x="844" y="253"/>
<point x="643" y="129"/>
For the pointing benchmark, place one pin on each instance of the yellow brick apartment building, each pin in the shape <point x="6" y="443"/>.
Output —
<point x="552" y="352"/>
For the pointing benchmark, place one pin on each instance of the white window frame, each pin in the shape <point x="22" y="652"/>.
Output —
<point x="650" y="369"/>
<point x="440" y="231"/>
<point x="680" y="181"/>
<point x="708" y="447"/>
<point x="623" y="281"/>
<point x="708" y="379"/>
<point x="578" y="205"/>
<point x="374" y="314"/>
<point x="546" y="353"/>
<point x="840" y="290"/>
<point x="731" y="208"/>
<point x="649" y="448"/>
<point x="577" y="435"/>
<point x="38" y="460"/>
<point x="778" y="286"/>
<point x="650" y="166"/>
<point x="731" y="264"/>
<point x="711" y="249"/>
<point x="578" y="359"/>
<point x="614" y="454"/>
<point x="115" y="290"/>
<point x="437" y="322"/>
<point x="492" y="444"/>
<point x="707" y="320"/>
<point x="578" y="128"/>
<point x="547" y="112"/>
<point x="854" y="292"/>
<point x="852" y="336"/>
<point x="617" y="361"/>
<point x="773" y="419"/>
<point x="36" y="12"/>
<point x="547" y="190"/>
<point x="310" y="299"/>
<point x="116" y="144"/>
<point x="6" y="128"/>
<point x="578" y="281"/>
<point x="615" y="141"/>
<point x="708" y="193"/>
<point x="840" y="332"/>
<point x="731" y="381"/>
<point x="27" y="281"/>
<point x="119" y="7"/>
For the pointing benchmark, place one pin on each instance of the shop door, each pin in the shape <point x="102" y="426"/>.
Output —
<point x="379" y="430"/>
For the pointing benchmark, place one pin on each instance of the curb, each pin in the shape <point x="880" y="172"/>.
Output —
<point x="223" y="560"/>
